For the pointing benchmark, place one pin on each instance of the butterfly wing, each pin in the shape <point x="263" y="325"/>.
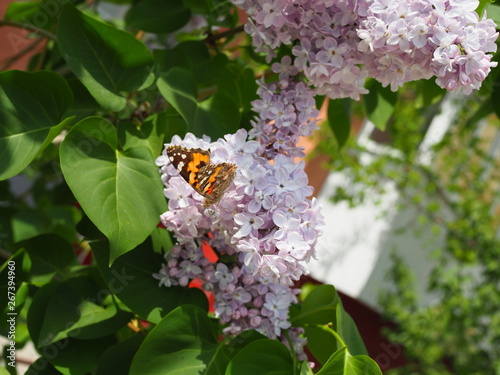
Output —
<point x="209" y="180"/>
<point x="214" y="179"/>
<point x="188" y="162"/>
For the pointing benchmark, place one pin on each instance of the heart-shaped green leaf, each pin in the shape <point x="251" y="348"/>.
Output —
<point x="116" y="359"/>
<point x="319" y="307"/>
<point x="158" y="16"/>
<point x="305" y="369"/>
<point x="346" y="328"/>
<point x="343" y="363"/>
<point x="77" y="308"/>
<point x="32" y="106"/>
<point x="379" y="103"/>
<point x="60" y="220"/>
<point x="216" y="116"/>
<point x="149" y="134"/>
<point x="76" y="357"/>
<point x="106" y="60"/>
<point x="182" y="343"/>
<point x="321" y="341"/>
<point x="262" y="357"/>
<point x="84" y="104"/>
<point x="131" y="279"/>
<point x="339" y="119"/>
<point x="41" y="14"/>
<point x="120" y="191"/>
<point x="50" y="255"/>
<point x="195" y="56"/>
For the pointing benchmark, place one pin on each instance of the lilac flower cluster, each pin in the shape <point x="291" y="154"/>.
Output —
<point x="264" y="229"/>
<point x="286" y="111"/>
<point x="338" y="44"/>
<point x="419" y="39"/>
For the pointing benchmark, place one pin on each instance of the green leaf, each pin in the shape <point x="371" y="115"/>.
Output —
<point x="379" y="104"/>
<point x="305" y="369"/>
<point x="120" y="191"/>
<point x="6" y="214"/>
<point x="79" y="308"/>
<point x="42" y="367"/>
<point x="215" y="116"/>
<point x="84" y="105"/>
<point x="342" y="362"/>
<point x="150" y="133"/>
<point x="322" y="306"/>
<point x="319" y="307"/>
<point x="130" y="278"/>
<point x="32" y="105"/>
<point x="218" y="116"/>
<point x="19" y="11"/>
<point x="178" y="86"/>
<point x="225" y="353"/>
<point x="28" y="223"/>
<point x="106" y="60"/>
<point x="50" y="255"/>
<point x="37" y="309"/>
<point x="41" y="14"/>
<point x="158" y="16"/>
<point x="346" y="328"/>
<point x="183" y="342"/>
<point x="240" y="84"/>
<point x="77" y="357"/>
<point x="195" y="57"/>
<point x="321" y="342"/>
<point x="492" y="12"/>
<point x="262" y="357"/>
<point x="117" y="359"/>
<point x="339" y="119"/>
<point x="427" y="93"/>
<point x="161" y="240"/>
<point x="176" y="124"/>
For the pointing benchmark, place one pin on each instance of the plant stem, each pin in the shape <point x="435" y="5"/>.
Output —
<point x="27" y="26"/>
<point x="210" y="39"/>
<point x="339" y="339"/>
<point x="292" y="350"/>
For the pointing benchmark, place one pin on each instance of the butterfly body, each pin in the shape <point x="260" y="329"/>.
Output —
<point x="209" y="180"/>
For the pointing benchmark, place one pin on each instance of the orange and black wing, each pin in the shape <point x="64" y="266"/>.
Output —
<point x="209" y="180"/>
<point x="214" y="179"/>
<point x="188" y="162"/>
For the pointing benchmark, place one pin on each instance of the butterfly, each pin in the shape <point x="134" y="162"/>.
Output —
<point x="209" y="180"/>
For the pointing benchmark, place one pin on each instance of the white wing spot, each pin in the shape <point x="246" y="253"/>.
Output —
<point x="203" y="180"/>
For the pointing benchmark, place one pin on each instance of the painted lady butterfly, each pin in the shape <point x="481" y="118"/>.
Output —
<point x="209" y="180"/>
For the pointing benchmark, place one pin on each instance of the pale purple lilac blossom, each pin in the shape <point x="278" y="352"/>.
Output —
<point x="265" y="228"/>
<point x="336" y="45"/>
